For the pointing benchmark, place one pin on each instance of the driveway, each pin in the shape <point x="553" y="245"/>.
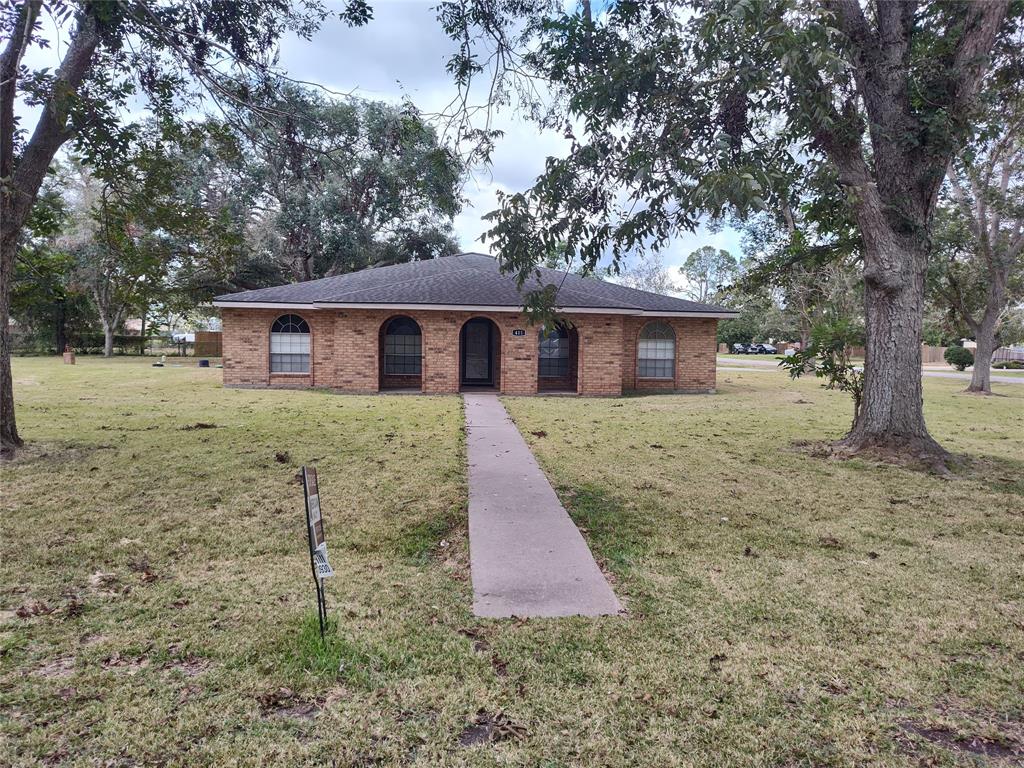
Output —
<point x="760" y="366"/>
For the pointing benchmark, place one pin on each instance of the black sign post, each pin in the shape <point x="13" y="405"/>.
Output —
<point x="317" y="542"/>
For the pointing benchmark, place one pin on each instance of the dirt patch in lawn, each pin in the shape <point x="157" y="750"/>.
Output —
<point x="487" y="729"/>
<point x="62" y="666"/>
<point x="283" y="702"/>
<point x="972" y="744"/>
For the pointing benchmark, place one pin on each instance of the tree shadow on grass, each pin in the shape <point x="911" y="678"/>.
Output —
<point x="616" y="536"/>
<point x="998" y="473"/>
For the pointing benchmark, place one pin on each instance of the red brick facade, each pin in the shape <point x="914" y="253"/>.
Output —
<point x="346" y="348"/>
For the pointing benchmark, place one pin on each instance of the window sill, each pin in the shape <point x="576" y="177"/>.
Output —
<point x="656" y="378"/>
<point x="289" y="373"/>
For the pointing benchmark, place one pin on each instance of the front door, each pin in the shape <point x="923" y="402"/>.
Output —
<point x="477" y="358"/>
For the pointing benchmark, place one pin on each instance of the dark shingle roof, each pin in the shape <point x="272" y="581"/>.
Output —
<point x="469" y="279"/>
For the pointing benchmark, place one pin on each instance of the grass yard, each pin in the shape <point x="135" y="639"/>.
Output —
<point x="783" y="609"/>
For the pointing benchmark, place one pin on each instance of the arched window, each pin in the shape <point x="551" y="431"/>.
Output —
<point x="553" y="353"/>
<point x="289" y="345"/>
<point x="656" y="352"/>
<point x="403" y="348"/>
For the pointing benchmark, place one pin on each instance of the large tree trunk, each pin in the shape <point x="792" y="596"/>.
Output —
<point x="891" y="417"/>
<point x="985" y="338"/>
<point x="22" y="180"/>
<point x="108" y="339"/>
<point x="61" y="330"/>
<point x="9" y="438"/>
<point x="142" y="332"/>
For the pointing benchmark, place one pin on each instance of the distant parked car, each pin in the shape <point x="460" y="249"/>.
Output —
<point x="741" y="349"/>
<point x="768" y="349"/>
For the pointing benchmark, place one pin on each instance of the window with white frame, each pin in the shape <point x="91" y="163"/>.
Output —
<point x="403" y="348"/>
<point x="553" y="353"/>
<point x="656" y="352"/>
<point x="289" y="345"/>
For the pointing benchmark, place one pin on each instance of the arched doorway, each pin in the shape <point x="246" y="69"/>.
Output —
<point x="401" y="354"/>
<point x="557" y="359"/>
<point x="479" y="353"/>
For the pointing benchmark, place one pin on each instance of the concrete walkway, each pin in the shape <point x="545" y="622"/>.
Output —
<point x="526" y="556"/>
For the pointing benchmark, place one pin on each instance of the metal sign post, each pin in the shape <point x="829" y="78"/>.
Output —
<point x="317" y="542"/>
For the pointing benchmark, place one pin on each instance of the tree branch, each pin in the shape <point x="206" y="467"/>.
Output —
<point x="51" y="130"/>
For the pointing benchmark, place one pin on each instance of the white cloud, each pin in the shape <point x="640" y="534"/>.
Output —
<point x="402" y="53"/>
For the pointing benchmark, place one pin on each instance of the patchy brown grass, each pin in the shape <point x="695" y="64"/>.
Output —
<point x="784" y="609"/>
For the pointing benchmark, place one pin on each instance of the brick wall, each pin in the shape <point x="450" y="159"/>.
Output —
<point x="696" y="346"/>
<point x="600" y="354"/>
<point x="345" y="352"/>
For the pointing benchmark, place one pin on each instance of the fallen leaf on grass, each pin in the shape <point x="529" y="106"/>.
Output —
<point x="539" y="433"/>
<point x="479" y="643"/>
<point x="282" y="457"/>
<point x="74" y="608"/>
<point x="128" y="664"/>
<point x="487" y="728"/>
<point x="35" y="608"/>
<point x="499" y="665"/>
<point x="190" y="665"/>
<point x="198" y="425"/>
<point x="188" y="692"/>
<point x="272" y="699"/>
<point x="830" y="542"/>
<point x="106" y="583"/>
<point x="283" y="702"/>
<point x="62" y="666"/>
<point x="56" y="757"/>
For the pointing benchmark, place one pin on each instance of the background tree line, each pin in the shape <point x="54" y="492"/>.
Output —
<point x="856" y="128"/>
<point x="314" y="187"/>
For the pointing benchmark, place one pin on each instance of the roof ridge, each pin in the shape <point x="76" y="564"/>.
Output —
<point x="402" y="282"/>
<point x="467" y="279"/>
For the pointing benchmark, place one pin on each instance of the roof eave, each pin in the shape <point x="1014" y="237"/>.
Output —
<point x="716" y="314"/>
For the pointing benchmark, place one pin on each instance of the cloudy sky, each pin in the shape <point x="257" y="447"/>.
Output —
<point x="402" y="53"/>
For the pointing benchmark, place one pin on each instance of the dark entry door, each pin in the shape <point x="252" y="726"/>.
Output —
<point x="477" y="353"/>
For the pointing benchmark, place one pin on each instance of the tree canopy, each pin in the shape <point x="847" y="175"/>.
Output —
<point x="682" y="110"/>
<point x="338" y="184"/>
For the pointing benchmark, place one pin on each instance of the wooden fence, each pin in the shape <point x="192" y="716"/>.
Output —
<point x="1008" y="353"/>
<point x="208" y="344"/>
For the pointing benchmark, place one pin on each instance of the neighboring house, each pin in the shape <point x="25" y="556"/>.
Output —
<point x="453" y="323"/>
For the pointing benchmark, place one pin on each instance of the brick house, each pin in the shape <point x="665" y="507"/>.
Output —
<point x="448" y="324"/>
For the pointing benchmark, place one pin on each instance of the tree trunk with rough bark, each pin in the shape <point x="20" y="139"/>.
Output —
<point x="891" y="417"/>
<point x="896" y="243"/>
<point x="21" y="180"/>
<point x="108" y="338"/>
<point x="142" y="332"/>
<point x="9" y="438"/>
<point x="981" y="373"/>
<point x="985" y="338"/>
<point x="894" y="197"/>
<point x="61" y="331"/>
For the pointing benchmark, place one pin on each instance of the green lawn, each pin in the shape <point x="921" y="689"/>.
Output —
<point x="783" y="608"/>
